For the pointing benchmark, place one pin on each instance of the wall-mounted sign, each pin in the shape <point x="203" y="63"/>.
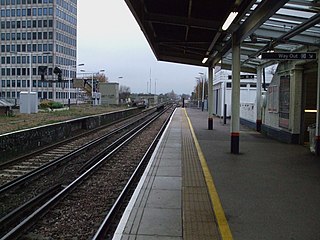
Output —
<point x="289" y="56"/>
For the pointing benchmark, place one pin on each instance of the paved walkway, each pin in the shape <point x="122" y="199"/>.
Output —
<point x="271" y="190"/>
<point x="171" y="200"/>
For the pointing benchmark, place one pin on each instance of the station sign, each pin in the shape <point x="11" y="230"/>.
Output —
<point x="289" y="56"/>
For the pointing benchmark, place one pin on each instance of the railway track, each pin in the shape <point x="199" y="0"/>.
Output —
<point x="120" y="167"/>
<point x="16" y="168"/>
<point x="59" y="171"/>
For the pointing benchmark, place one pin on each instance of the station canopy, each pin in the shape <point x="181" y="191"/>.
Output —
<point x="189" y="31"/>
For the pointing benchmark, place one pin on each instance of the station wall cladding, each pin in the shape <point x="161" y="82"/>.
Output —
<point x="20" y="142"/>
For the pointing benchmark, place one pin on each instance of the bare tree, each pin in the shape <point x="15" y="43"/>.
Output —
<point x="124" y="92"/>
<point x="101" y="77"/>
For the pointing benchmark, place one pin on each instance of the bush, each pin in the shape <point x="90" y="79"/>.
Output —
<point x="50" y="104"/>
<point x="44" y="104"/>
<point x="55" y="105"/>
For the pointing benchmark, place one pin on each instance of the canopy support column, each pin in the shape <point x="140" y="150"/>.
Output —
<point x="210" y="97"/>
<point x="317" y="140"/>
<point x="259" y="115"/>
<point x="235" y="95"/>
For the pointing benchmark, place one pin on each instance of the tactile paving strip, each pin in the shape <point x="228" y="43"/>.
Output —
<point x="198" y="216"/>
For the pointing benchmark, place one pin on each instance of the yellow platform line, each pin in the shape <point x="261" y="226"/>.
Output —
<point x="214" y="197"/>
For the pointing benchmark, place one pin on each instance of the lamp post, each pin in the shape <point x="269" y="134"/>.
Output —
<point x="202" y="98"/>
<point x="69" y="80"/>
<point x="198" y="90"/>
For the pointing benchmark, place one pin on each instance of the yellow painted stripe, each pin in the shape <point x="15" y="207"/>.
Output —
<point x="215" y="200"/>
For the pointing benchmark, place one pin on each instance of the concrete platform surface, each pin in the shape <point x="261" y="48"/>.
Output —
<point x="271" y="190"/>
<point x="171" y="200"/>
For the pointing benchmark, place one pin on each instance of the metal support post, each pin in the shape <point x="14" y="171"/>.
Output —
<point x="30" y="86"/>
<point x="317" y="140"/>
<point x="258" y="106"/>
<point x="93" y="101"/>
<point x="198" y="83"/>
<point x="210" y="97"/>
<point x="202" y="99"/>
<point x="69" y="70"/>
<point x="235" y="101"/>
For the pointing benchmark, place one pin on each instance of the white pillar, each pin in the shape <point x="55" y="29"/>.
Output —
<point x="235" y="97"/>
<point x="295" y="109"/>
<point x="210" y="98"/>
<point x="258" y="106"/>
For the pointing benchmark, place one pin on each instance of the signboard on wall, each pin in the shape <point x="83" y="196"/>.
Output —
<point x="284" y="101"/>
<point x="289" y="56"/>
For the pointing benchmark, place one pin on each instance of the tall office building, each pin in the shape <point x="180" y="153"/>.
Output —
<point x="46" y="32"/>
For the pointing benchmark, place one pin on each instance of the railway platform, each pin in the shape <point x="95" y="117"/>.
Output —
<point x="194" y="188"/>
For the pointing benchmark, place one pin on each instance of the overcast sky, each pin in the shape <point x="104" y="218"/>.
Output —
<point x="109" y="38"/>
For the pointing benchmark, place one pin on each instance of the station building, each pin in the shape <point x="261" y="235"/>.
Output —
<point x="37" y="33"/>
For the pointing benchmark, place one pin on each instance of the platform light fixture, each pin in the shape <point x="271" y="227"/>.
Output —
<point x="204" y="60"/>
<point x="310" y="110"/>
<point x="229" y="20"/>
